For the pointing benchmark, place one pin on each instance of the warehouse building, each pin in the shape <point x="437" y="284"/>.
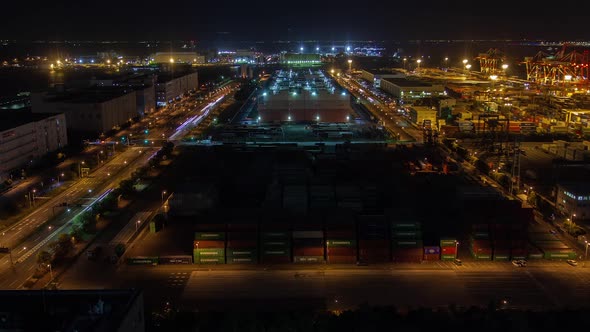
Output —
<point x="172" y="86"/>
<point x="409" y="89"/>
<point x="89" y="111"/>
<point x="374" y="76"/>
<point x="573" y="199"/>
<point x="301" y="59"/>
<point x="25" y="136"/>
<point x="177" y="57"/>
<point x="421" y="115"/>
<point x="305" y="106"/>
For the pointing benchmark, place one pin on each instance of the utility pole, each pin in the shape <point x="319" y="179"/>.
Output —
<point x="515" y="166"/>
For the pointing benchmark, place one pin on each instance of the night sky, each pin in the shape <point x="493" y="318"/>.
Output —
<point x="293" y="20"/>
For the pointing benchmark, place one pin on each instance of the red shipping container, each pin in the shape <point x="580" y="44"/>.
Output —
<point x="341" y="234"/>
<point x="202" y="244"/>
<point x="448" y="250"/>
<point x="482" y="250"/>
<point x="242" y="244"/>
<point x="375" y="252"/>
<point x="374" y="243"/>
<point x="501" y="244"/>
<point x="309" y="251"/>
<point x="431" y="257"/>
<point x="242" y="236"/>
<point x="481" y="243"/>
<point x="341" y="259"/>
<point x="341" y="251"/>
<point x="276" y="259"/>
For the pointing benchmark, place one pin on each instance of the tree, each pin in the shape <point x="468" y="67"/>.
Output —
<point x="77" y="233"/>
<point x="62" y="247"/>
<point x="119" y="249"/>
<point x="44" y="257"/>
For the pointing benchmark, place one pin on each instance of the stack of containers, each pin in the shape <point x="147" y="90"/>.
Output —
<point x="480" y="242"/>
<point x="209" y="248"/>
<point x="501" y="244"/>
<point x="431" y="253"/>
<point x="448" y="248"/>
<point x="275" y="245"/>
<point x="341" y="240"/>
<point x="308" y="241"/>
<point x="551" y="246"/>
<point x="373" y="239"/>
<point x="406" y="241"/>
<point x="242" y="247"/>
<point x="518" y="242"/>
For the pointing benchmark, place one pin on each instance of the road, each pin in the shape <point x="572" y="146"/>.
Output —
<point x="540" y="285"/>
<point x="386" y="115"/>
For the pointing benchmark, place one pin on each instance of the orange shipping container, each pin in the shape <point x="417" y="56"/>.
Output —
<point x="203" y="244"/>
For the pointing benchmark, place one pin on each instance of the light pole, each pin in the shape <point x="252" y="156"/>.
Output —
<point x="456" y="249"/>
<point x="137" y="225"/>
<point x="198" y="252"/>
<point x="59" y="176"/>
<point x="418" y="62"/>
<point x="163" y="193"/>
<point x="350" y="65"/>
<point x="586" y="252"/>
<point x="33" y="196"/>
<point x="50" y="271"/>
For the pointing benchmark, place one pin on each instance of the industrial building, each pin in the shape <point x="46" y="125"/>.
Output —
<point x="301" y="59"/>
<point x="374" y="76"/>
<point x="25" y="136"/>
<point x="409" y="89"/>
<point x="171" y="86"/>
<point x="92" y="111"/>
<point x="303" y="96"/>
<point x="73" y="310"/>
<point x="177" y="57"/>
<point x="142" y="83"/>
<point x="421" y="115"/>
<point x="573" y="199"/>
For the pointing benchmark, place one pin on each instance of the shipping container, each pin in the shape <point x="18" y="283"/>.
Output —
<point x="534" y="253"/>
<point x="518" y="254"/>
<point x="484" y="257"/>
<point x="341" y="251"/>
<point x="210" y="227"/>
<point x="308" y="251"/>
<point x="142" y="260"/>
<point x="210" y="252"/>
<point x="308" y="235"/>
<point x="341" y="259"/>
<point x="242" y="227"/>
<point x="340" y="243"/>
<point x="275" y="235"/>
<point x="407" y="243"/>
<point x="407" y="255"/>
<point x="432" y="250"/>
<point x="236" y="236"/>
<point x="242" y="244"/>
<point x="406" y="225"/>
<point x="341" y="234"/>
<point x="275" y="259"/>
<point x="447" y="257"/>
<point x="242" y="252"/>
<point x="501" y="254"/>
<point x="169" y="260"/>
<point x="210" y="260"/>
<point x="406" y="234"/>
<point x="447" y="242"/>
<point x="543" y="245"/>
<point x="448" y="250"/>
<point x="307" y="242"/>
<point x="559" y="254"/>
<point x="211" y="236"/>
<point x="308" y="259"/>
<point x="276" y="252"/>
<point x="204" y="244"/>
<point x="155" y="226"/>
<point x="242" y="260"/>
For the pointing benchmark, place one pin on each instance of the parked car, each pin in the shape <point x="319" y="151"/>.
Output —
<point x="458" y="262"/>
<point x="572" y="262"/>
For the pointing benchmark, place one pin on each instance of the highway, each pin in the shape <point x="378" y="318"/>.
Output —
<point x="35" y="231"/>
<point x="387" y="116"/>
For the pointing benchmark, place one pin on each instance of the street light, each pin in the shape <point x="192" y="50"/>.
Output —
<point x="418" y="61"/>
<point x="137" y="225"/>
<point x="50" y="271"/>
<point x="456" y="249"/>
<point x="350" y="65"/>
<point x="163" y="193"/>
<point x="465" y="61"/>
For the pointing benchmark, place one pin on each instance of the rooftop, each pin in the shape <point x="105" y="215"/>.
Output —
<point x="407" y="83"/>
<point x="384" y="72"/>
<point x="12" y="119"/>
<point x="88" y="95"/>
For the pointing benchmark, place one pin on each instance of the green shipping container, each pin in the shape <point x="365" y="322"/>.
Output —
<point x="155" y="227"/>
<point x="448" y="242"/>
<point x="535" y="255"/>
<point x="406" y="234"/>
<point x="242" y="252"/>
<point x="276" y="243"/>
<point x="242" y="260"/>
<point x="213" y="236"/>
<point x="501" y="257"/>
<point x="341" y="243"/>
<point x="447" y="257"/>
<point x="561" y="254"/>
<point x="407" y="243"/>
<point x="210" y="252"/>
<point x="482" y="257"/>
<point x="142" y="260"/>
<point x="210" y="260"/>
